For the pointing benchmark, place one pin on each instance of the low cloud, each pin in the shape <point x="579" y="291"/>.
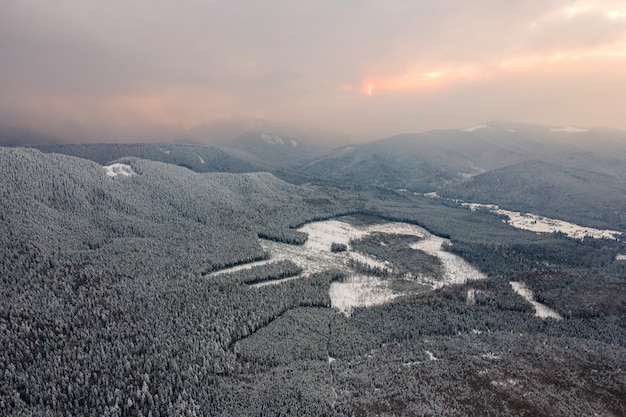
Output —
<point x="120" y="70"/>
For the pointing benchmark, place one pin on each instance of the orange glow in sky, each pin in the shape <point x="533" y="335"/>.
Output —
<point x="234" y="55"/>
<point x="418" y="80"/>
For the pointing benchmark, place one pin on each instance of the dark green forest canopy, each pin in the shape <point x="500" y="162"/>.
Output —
<point x="105" y="310"/>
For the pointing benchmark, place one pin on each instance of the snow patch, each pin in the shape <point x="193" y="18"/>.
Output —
<point x="620" y="257"/>
<point x="272" y="139"/>
<point x="569" y="129"/>
<point x="200" y="158"/>
<point x="473" y="128"/>
<point x="470" y="298"/>
<point x="541" y="310"/>
<point x="430" y="355"/>
<point x="455" y="269"/>
<point x="490" y="355"/>
<point x="275" y="281"/>
<point x="359" y="291"/>
<point x="115" y="170"/>
<point x="323" y="234"/>
<point x="540" y="224"/>
<point x="505" y="383"/>
<point x="293" y="143"/>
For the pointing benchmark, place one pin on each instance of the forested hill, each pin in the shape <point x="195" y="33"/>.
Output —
<point x="106" y="308"/>
<point x="60" y="203"/>
<point x="573" y="194"/>
<point x="431" y="160"/>
<point x="568" y="173"/>
<point x="198" y="158"/>
<point x="103" y="307"/>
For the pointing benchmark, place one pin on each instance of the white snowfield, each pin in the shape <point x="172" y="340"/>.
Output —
<point x="473" y="128"/>
<point x="620" y="257"/>
<point x="358" y="290"/>
<point x="541" y="310"/>
<point x="115" y="170"/>
<point x="455" y="269"/>
<point x="542" y="224"/>
<point x="539" y="224"/>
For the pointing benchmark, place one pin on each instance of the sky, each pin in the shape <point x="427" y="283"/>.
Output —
<point x="140" y="70"/>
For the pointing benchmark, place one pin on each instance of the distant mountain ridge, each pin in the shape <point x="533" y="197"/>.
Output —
<point x="460" y="163"/>
<point x="430" y="160"/>
<point x="557" y="191"/>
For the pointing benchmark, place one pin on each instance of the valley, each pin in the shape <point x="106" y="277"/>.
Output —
<point x="541" y="224"/>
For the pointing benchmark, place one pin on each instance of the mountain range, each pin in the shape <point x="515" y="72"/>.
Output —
<point x="578" y="174"/>
<point x="272" y="277"/>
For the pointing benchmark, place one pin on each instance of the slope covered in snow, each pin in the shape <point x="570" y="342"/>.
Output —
<point x="359" y="289"/>
<point x="116" y="170"/>
<point x="541" y="310"/>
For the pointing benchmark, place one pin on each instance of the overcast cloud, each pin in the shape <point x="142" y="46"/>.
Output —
<point x="159" y="69"/>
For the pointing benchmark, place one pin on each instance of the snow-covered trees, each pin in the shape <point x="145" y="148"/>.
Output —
<point x="106" y="309"/>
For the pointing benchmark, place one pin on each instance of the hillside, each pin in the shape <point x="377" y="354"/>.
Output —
<point x="195" y="157"/>
<point x="552" y="190"/>
<point x="106" y="307"/>
<point x="428" y="161"/>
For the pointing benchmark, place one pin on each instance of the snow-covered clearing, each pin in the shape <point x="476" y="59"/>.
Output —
<point x="276" y="281"/>
<point x="358" y="290"/>
<point x="473" y="128"/>
<point x="323" y="234"/>
<point x="540" y="224"/>
<point x="541" y="310"/>
<point x="115" y="170"/>
<point x="455" y="269"/>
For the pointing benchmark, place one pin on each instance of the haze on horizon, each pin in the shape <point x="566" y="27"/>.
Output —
<point x="356" y="69"/>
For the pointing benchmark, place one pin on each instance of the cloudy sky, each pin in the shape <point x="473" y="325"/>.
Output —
<point x="360" y="69"/>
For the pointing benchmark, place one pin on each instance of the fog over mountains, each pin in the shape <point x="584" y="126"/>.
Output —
<point x="130" y="276"/>
<point x="577" y="173"/>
